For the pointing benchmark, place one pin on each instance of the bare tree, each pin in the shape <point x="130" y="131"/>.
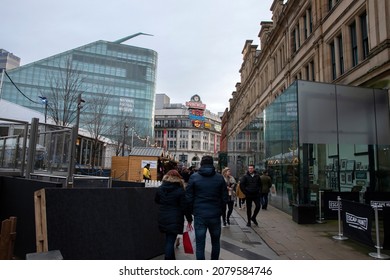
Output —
<point x="65" y="85"/>
<point x="96" y="123"/>
<point x="121" y="129"/>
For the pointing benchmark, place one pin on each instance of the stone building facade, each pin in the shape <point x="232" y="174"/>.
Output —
<point x="313" y="44"/>
<point x="186" y="132"/>
<point x="333" y="41"/>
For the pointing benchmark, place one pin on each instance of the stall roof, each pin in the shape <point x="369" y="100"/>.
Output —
<point x="147" y="151"/>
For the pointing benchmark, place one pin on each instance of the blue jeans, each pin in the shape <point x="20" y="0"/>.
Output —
<point x="170" y="240"/>
<point x="264" y="200"/>
<point x="201" y="226"/>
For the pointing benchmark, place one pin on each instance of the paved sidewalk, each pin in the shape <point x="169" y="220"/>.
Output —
<point x="278" y="237"/>
<point x="295" y="241"/>
<point x="238" y="242"/>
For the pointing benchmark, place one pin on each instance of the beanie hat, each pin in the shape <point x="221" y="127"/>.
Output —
<point x="206" y="160"/>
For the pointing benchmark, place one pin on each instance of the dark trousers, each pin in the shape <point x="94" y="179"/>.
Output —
<point x="229" y="207"/>
<point x="255" y="199"/>
<point x="170" y="240"/>
<point x="264" y="200"/>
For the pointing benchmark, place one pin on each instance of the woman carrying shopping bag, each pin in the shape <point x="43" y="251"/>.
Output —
<point x="171" y="198"/>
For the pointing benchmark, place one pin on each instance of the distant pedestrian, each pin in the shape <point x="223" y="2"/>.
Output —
<point x="240" y="196"/>
<point x="173" y="207"/>
<point x="231" y="189"/>
<point x="250" y="185"/>
<point x="185" y="173"/>
<point x="206" y="194"/>
<point x="266" y="184"/>
<point x="146" y="172"/>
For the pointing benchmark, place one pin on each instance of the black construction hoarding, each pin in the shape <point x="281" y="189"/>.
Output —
<point x="331" y="204"/>
<point x="379" y="199"/>
<point x="357" y="221"/>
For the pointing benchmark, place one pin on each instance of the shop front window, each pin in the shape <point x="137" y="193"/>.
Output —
<point x="319" y="136"/>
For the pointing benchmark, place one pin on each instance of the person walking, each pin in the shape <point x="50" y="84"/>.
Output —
<point x="170" y="196"/>
<point x="231" y="189"/>
<point x="146" y="172"/>
<point x="250" y="185"/>
<point x="206" y="194"/>
<point x="241" y="196"/>
<point x="266" y="184"/>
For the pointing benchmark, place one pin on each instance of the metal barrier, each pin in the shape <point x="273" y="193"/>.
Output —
<point x="378" y="246"/>
<point x="50" y="178"/>
<point x="29" y="148"/>
<point x="340" y="235"/>
<point x="320" y="218"/>
<point x="80" y="181"/>
<point x="13" y="147"/>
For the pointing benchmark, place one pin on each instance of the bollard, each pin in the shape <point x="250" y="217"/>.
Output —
<point x="320" y="218"/>
<point x="340" y="235"/>
<point x="378" y="246"/>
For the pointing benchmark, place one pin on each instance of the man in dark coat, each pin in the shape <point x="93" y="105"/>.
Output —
<point x="206" y="194"/>
<point x="266" y="186"/>
<point x="173" y="207"/>
<point x="250" y="185"/>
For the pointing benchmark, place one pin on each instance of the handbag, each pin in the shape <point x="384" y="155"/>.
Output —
<point x="189" y="239"/>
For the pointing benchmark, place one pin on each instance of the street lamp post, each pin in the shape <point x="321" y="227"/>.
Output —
<point x="76" y="131"/>
<point x="132" y="138"/>
<point x="44" y="101"/>
<point x="124" y="138"/>
<point x="79" y="107"/>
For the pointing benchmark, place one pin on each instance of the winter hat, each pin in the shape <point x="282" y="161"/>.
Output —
<point x="206" y="160"/>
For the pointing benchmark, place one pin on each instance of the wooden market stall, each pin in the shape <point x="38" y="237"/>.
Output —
<point x="130" y="168"/>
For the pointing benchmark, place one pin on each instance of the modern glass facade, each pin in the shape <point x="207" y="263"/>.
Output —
<point x="125" y="74"/>
<point x="247" y="148"/>
<point x="329" y="137"/>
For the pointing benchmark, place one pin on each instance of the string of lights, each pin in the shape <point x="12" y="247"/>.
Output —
<point x="19" y="89"/>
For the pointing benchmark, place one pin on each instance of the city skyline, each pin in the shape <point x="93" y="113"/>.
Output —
<point x="199" y="44"/>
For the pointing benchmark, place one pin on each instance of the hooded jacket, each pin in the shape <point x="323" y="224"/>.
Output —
<point x="206" y="192"/>
<point x="173" y="207"/>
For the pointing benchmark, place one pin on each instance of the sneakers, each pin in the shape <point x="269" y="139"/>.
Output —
<point x="254" y="221"/>
<point x="248" y="224"/>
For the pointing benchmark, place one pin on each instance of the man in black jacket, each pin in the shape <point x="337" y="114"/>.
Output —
<point x="206" y="194"/>
<point x="250" y="185"/>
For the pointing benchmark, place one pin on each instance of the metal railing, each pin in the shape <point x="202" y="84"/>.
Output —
<point x="30" y="148"/>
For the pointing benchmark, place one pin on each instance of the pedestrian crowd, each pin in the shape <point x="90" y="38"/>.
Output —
<point x="207" y="198"/>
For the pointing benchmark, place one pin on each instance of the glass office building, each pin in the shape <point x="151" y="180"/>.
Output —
<point x="125" y="74"/>
<point x="329" y="137"/>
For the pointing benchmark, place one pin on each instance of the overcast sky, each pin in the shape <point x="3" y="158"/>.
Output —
<point x="199" y="42"/>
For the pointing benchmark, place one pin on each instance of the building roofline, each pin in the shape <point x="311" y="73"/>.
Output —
<point x="124" y="39"/>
